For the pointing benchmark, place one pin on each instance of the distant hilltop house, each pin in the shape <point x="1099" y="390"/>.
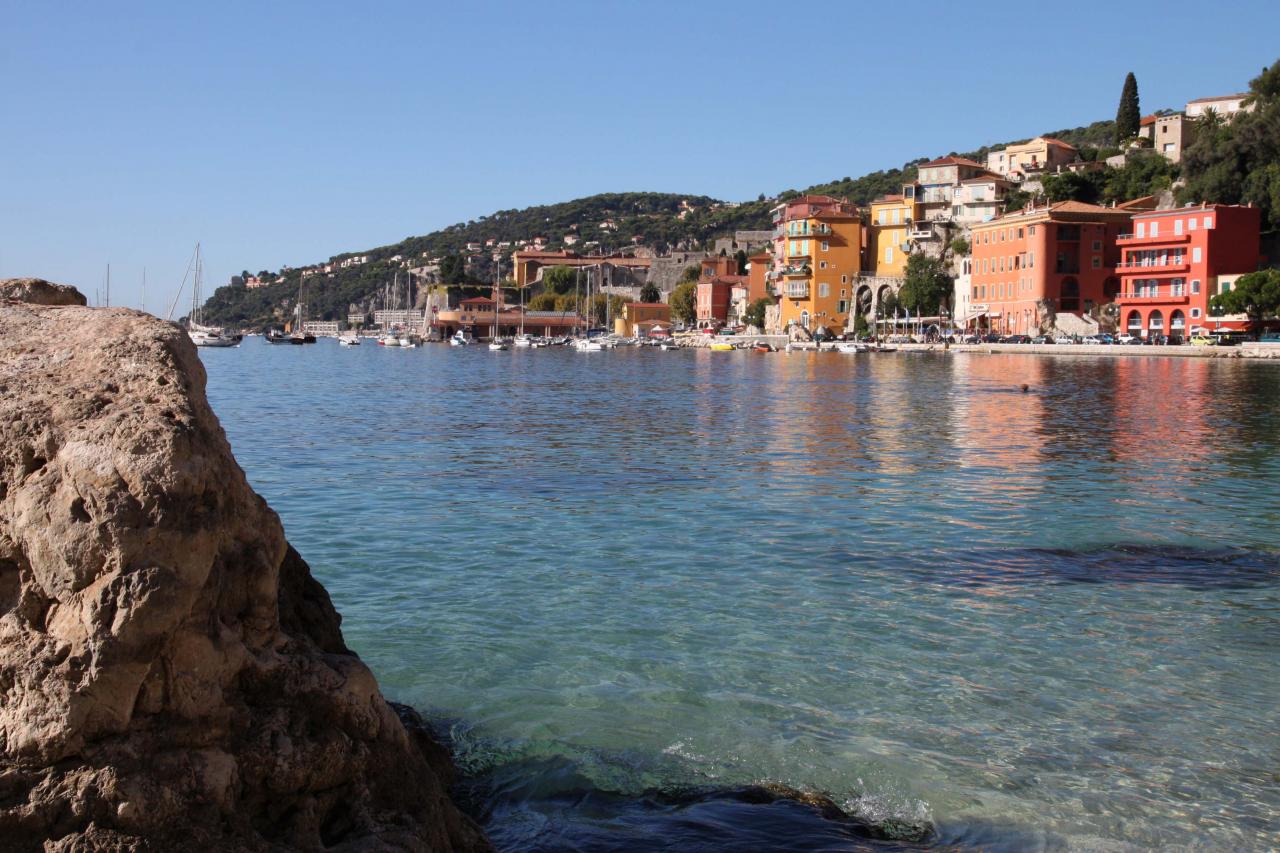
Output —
<point x="570" y="239"/>
<point x="253" y="282"/>
<point x="1044" y="153"/>
<point x="1223" y="105"/>
<point x="1168" y="134"/>
<point x="353" y="261"/>
<point x="608" y="225"/>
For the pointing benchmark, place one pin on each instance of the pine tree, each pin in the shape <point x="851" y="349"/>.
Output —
<point x="1128" y="115"/>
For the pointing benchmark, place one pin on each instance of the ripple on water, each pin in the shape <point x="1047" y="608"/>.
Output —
<point x="1037" y="620"/>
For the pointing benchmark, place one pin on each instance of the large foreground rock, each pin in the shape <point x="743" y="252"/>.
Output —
<point x="171" y="676"/>
<point x="37" y="291"/>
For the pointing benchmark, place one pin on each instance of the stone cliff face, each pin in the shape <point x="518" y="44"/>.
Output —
<point x="170" y="673"/>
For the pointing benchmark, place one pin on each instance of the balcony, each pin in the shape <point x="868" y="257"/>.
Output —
<point x="797" y="290"/>
<point x="1161" y="295"/>
<point x="1168" y="267"/>
<point x="796" y="271"/>
<point x="1129" y="239"/>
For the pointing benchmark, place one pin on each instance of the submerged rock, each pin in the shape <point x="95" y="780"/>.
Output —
<point x="37" y="291"/>
<point x="171" y="675"/>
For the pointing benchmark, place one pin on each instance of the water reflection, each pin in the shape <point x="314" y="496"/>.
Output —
<point x="1031" y="618"/>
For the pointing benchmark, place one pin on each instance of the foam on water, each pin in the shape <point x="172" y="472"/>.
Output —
<point x="1032" y="620"/>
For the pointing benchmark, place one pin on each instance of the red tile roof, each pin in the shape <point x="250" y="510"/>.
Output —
<point x="1058" y="142"/>
<point x="1151" y="119"/>
<point x="951" y="161"/>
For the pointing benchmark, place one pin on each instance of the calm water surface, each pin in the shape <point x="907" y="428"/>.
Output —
<point x="1045" y="619"/>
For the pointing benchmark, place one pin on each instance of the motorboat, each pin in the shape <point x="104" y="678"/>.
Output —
<point x="497" y="346"/>
<point x="850" y="347"/>
<point x="763" y="346"/>
<point x="276" y="336"/>
<point x="721" y="346"/>
<point x="460" y="339"/>
<point x="348" y="341"/>
<point x="587" y="345"/>
<point x="388" y="341"/>
<point x="523" y="341"/>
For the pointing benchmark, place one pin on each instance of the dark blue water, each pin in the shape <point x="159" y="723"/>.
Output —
<point x="630" y="582"/>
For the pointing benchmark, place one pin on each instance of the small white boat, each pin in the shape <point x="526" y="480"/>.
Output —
<point x="212" y="338"/>
<point x="497" y="345"/>
<point x="460" y="339"/>
<point x="348" y="341"/>
<point x="388" y="341"/>
<point x="850" y="347"/>
<point x="587" y="345"/>
<point x="407" y="343"/>
<point x="523" y="341"/>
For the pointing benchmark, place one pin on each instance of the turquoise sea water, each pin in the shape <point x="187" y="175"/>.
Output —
<point x="1032" y="619"/>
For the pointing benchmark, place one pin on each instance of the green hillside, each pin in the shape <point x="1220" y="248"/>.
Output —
<point x="653" y="219"/>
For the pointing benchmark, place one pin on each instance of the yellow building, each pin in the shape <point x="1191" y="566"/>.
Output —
<point x="821" y="257"/>
<point x="888" y="233"/>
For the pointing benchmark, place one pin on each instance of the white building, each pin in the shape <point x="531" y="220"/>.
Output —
<point x="1223" y="105"/>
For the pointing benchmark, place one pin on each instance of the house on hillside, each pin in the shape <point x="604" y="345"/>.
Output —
<point x="1044" y="153"/>
<point x="1222" y="105"/>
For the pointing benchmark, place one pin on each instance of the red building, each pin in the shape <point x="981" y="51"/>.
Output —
<point x="715" y="291"/>
<point x="1173" y="260"/>
<point x="1062" y="256"/>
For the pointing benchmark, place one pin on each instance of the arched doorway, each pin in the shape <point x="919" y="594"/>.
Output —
<point x="1177" y="323"/>
<point x="804" y="318"/>
<point x="1070" y="295"/>
<point x="1111" y="288"/>
<point x="1134" y="323"/>
<point x="863" y="300"/>
<point x="1155" y="323"/>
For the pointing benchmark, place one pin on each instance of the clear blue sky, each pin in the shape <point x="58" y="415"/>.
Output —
<point x="285" y="132"/>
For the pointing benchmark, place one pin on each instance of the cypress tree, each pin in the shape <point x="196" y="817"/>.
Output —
<point x="1128" y="115"/>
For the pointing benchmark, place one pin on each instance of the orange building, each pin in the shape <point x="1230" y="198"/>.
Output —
<point x="820" y="241"/>
<point x="758" y="276"/>
<point x="1064" y="254"/>
<point x="888" y="233"/>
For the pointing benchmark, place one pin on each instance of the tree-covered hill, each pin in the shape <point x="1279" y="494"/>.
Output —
<point x="662" y="221"/>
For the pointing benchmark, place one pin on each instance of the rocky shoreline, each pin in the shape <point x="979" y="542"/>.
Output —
<point x="172" y="675"/>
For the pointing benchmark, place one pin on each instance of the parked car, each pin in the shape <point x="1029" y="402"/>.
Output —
<point x="1016" y="339"/>
<point x="1063" y="340"/>
<point x="1042" y="339"/>
<point x="1128" y="339"/>
<point x="1099" y="339"/>
<point x="1203" y="341"/>
<point x="990" y="339"/>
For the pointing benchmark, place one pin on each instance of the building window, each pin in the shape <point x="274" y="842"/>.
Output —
<point x="844" y="279"/>
<point x="1195" y="255"/>
<point x="843" y="306"/>
<point x="844" y="291"/>
<point x="1097" y="262"/>
<point x="1208" y="222"/>
<point x="1175" y="287"/>
<point x="1019" y="233"/>
<point x="1177" y="226"/>
<point x="824" y="289"/>
<point x="888" y="254"/>
<point x="1191" y="223"/>
<point x="1195" y="285"/>
<point x="822" y="265"/>
<point x="1195" y="313"/>
<point x="1097" y="245"/>
<point x="1031" y="230"/>
<point x="1142" y="229"/>
<point x="1155" y="228"/>
<point x="897" y="214"/>
<point x="826" y="246"/>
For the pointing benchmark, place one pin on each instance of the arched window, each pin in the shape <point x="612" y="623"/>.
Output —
<point x="1155" y="322"/>
<point x="1177" y="322"/>
<point x="804" y="319"/>
<point x="1134" y="323"/>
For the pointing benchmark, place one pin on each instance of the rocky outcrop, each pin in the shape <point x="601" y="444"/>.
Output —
<point x="171" y="675"/>
<point x="37" y="291"/>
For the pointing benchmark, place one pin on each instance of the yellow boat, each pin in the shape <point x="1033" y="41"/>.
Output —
<point x="722" y="347"/>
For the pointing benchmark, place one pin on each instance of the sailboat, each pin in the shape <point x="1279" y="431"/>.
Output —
<point x="300" y="335"/>
<point x="201" y="335"/>
<point x="494" y="343"/>
<point x="587" y="344"/>
<point x="522" y="340"/>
